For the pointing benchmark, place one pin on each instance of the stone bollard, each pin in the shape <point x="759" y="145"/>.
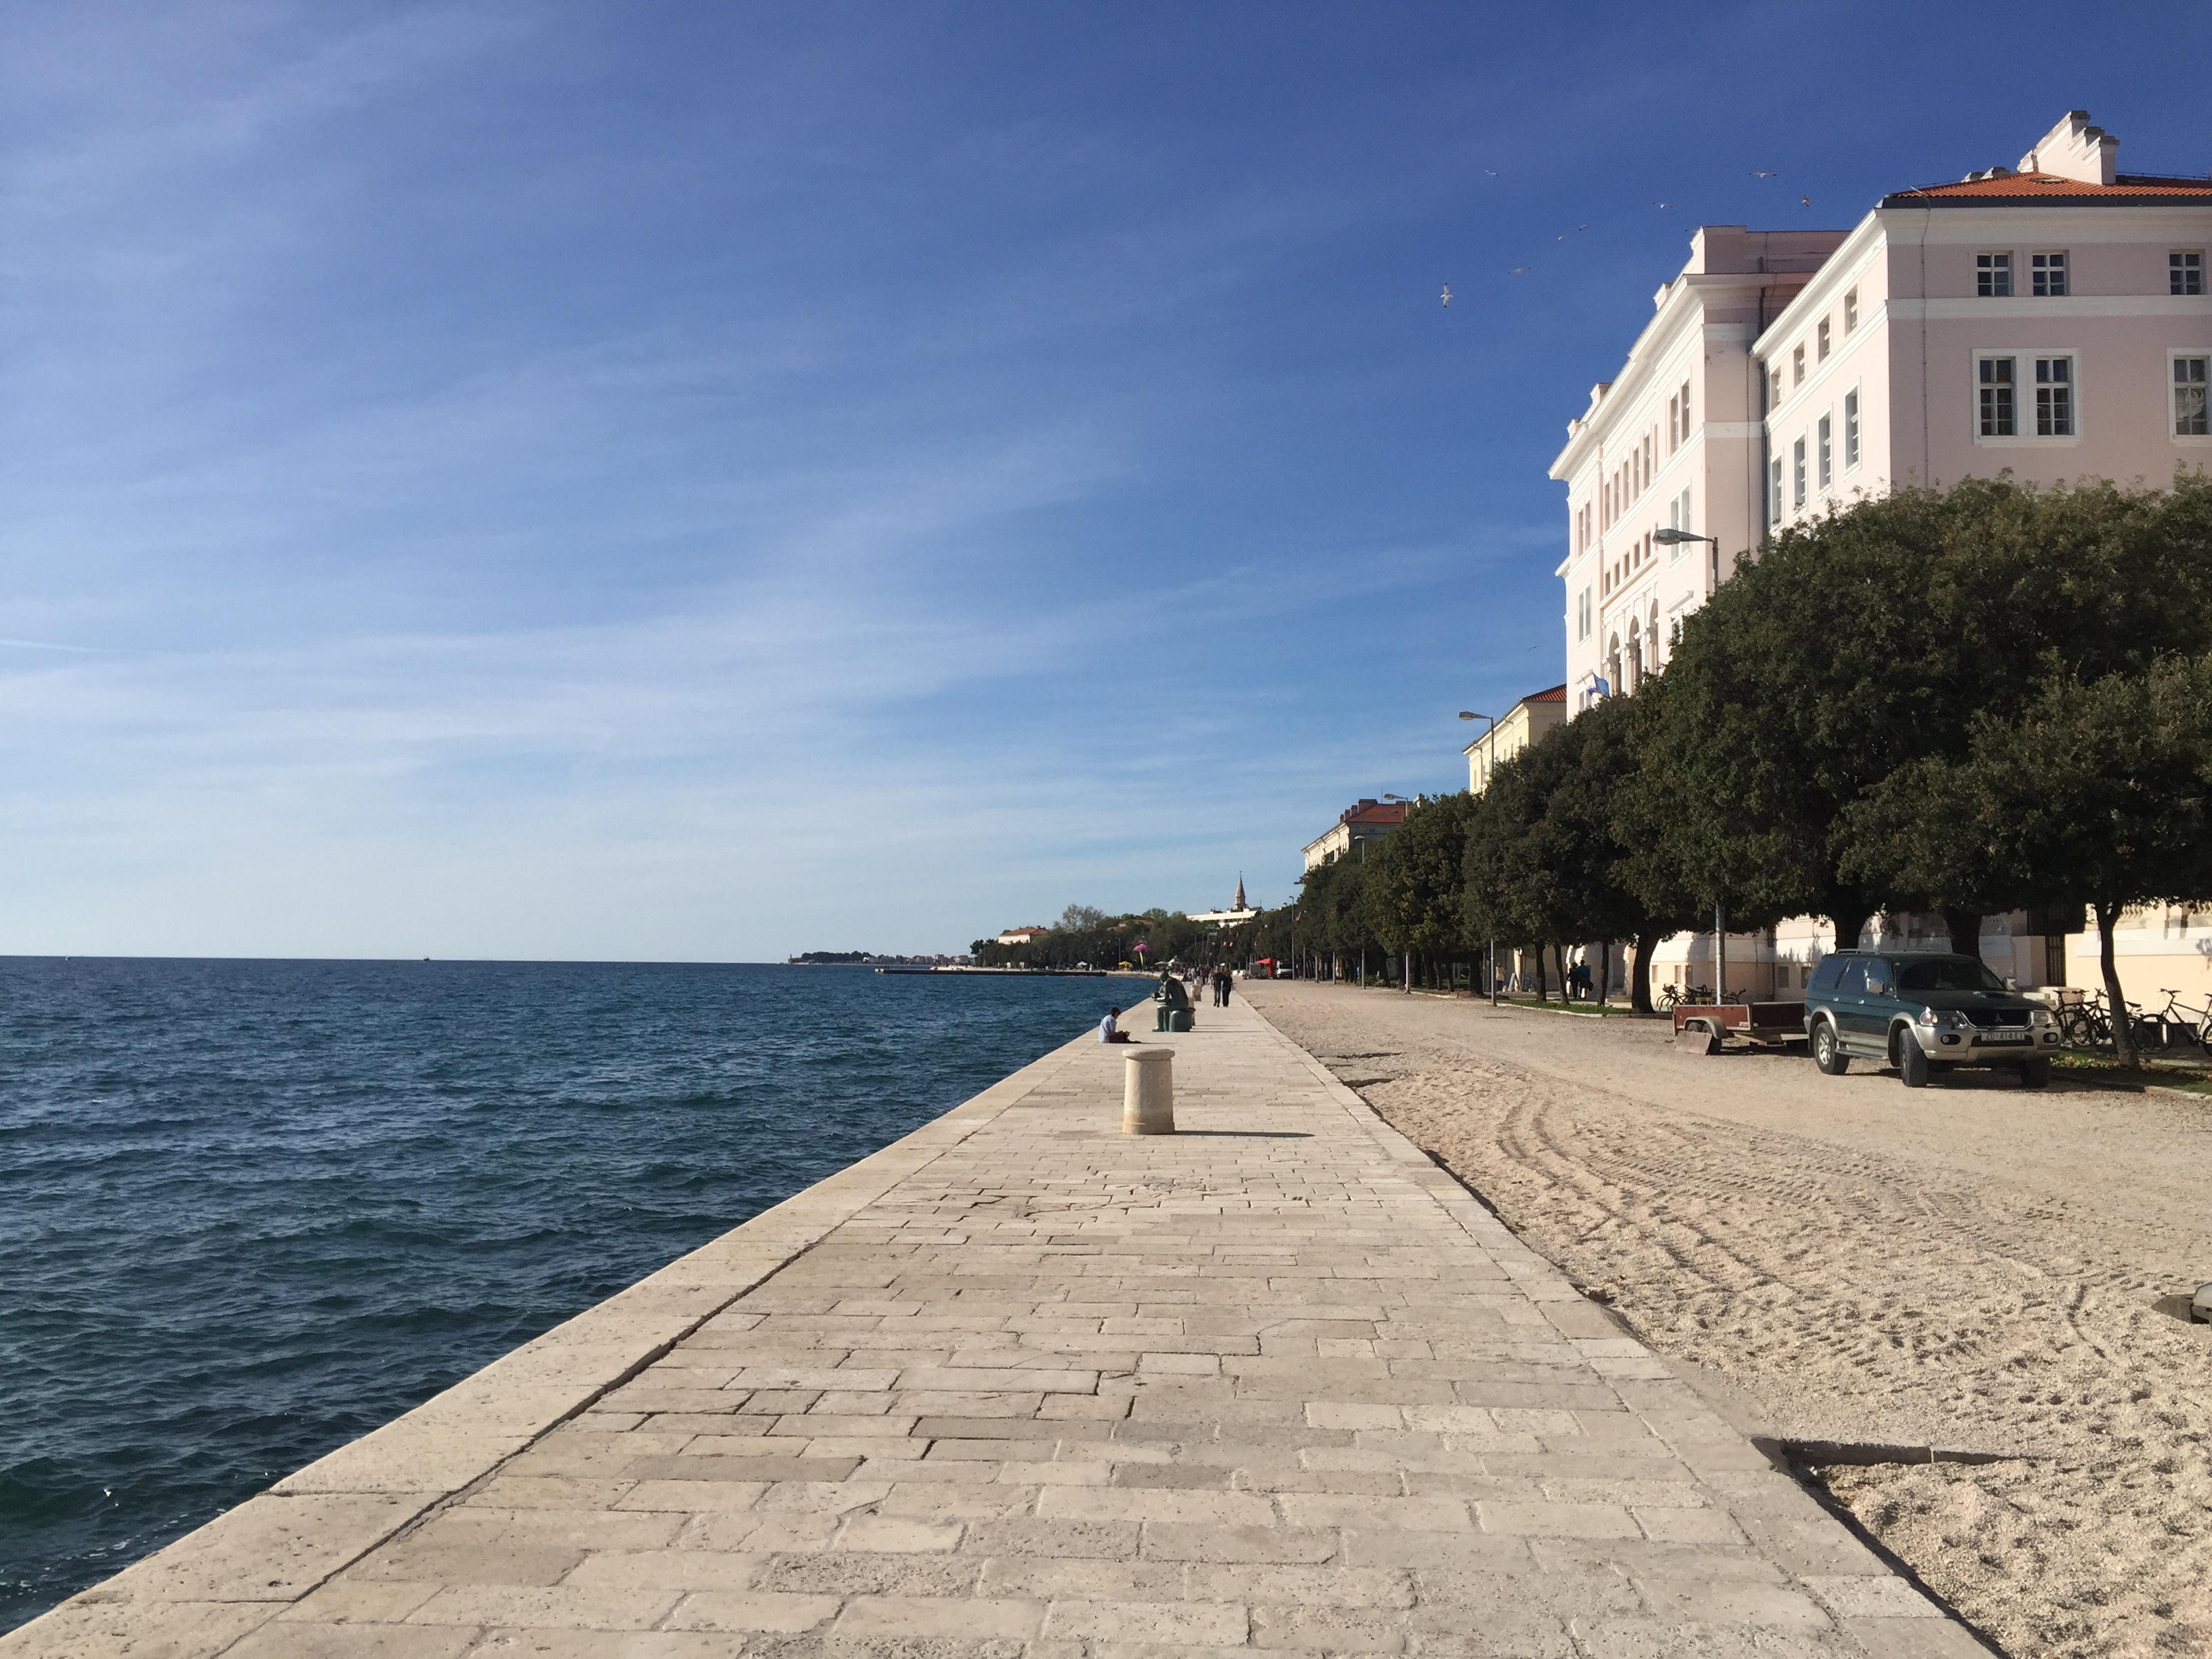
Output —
<point x="1148" y="1092"/>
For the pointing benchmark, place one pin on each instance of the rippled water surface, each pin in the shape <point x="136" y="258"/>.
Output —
<point x="250" y="1210"/>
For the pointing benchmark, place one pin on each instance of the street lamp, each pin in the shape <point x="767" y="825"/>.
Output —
<point x="1670" y="536"/>
<point x="1488" y="732"/>
<point x="1405" y="957"/>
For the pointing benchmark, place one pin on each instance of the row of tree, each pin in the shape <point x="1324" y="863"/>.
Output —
<point x="1087" y="937"/>
<point x="1972" y="701"/>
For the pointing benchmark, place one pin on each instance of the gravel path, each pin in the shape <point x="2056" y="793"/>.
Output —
<point x="1973" y="1265"/>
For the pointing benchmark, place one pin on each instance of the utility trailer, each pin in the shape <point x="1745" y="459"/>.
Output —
<point x="1707" y="1028"/>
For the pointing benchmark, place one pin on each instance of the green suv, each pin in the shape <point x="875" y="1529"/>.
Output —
<point x="1924" y="1013"/>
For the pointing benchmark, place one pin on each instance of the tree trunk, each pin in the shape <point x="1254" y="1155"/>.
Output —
<point x="1639" y="989"/>
<point x="1966" y="926"/>
<point x="1849" y="923"/>
<point x="2124" y="1032"/>
<point x="1604" y="972"/>
<point x="1543" y="986"/>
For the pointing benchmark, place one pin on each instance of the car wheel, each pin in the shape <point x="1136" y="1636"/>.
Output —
<point x="1831" y="1060"/>
<point x="1911" y="1062"/>
<point x="2035" y="1074"/>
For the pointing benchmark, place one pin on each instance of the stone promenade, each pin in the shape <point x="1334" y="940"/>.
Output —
<point x="1019" y="1385"/>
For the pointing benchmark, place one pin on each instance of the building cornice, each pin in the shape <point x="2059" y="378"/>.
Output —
<point x="2102" y="201"/>
<point x="1687" y="297"/>
<point x="1828" y="283"/>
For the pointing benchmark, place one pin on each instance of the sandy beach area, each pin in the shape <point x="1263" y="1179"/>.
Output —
<point x="1973" y="1265"/>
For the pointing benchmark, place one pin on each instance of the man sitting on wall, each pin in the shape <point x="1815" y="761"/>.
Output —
<point x="1109" y="1029"/>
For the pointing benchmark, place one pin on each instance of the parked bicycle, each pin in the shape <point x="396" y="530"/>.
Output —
<point x="2179" y="1024"/>
<point x="2088" y="1024"/>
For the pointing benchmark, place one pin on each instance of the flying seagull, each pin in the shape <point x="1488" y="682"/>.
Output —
<point x="1446" y="293"/>
<point x="1807" y="200"/>
<point x="1518" y="270"/>
<point x="1492" y="171"/>
<point x="1664" y="204"/>
<point x="1756" y="173"/>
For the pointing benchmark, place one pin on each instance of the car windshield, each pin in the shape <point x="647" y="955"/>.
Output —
<point x="1948" y="974"/>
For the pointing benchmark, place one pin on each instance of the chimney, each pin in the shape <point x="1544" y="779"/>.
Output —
<point x="2075" y="149"/>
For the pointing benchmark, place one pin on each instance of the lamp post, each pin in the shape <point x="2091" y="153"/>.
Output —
<point x="1405" y="956"/>
<point x="1670" y="536"/>
<point x="1489" y="732"/>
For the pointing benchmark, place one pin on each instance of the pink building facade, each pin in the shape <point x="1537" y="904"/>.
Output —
<point x="2051" y="319"/>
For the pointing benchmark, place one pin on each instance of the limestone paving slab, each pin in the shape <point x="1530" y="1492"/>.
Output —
<point x="1021" y="1387"/>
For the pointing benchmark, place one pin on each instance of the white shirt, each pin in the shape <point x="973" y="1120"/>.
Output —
<point x="1106" y="1029"/>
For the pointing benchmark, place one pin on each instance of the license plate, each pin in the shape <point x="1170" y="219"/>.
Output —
<point x="2001" y="1035"/>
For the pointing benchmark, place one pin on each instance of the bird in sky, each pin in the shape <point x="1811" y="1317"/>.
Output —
<point x="1446" y="293"/>
<point x="1664" y="204"/>
<point x="1757" y="174"/>
<point x="1807" y="200"/>
<point x="1518" y="270"/>
<point x="1492" y="171"/>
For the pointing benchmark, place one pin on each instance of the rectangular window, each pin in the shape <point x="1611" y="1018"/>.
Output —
<point x="1797" y="473"/>
<point x="1774" y="389"/>
<point x="1850" y="311"/>
<point x="1796" y="366"/>
<point x="2189" y="388"/>
<point x="2054" y="396"/>
<point x="1673" y="424"/>
<point x="2047" y="276"/>
<point x="1995" y="389"/>
<point x="1774" y="491"/>
<point x="1993" y="275"/>
<point x="1822" y="336"/>
<point x="1852" y="428"/>
<point x="1685" y="411"/>
<point x="1583" y="615"/>
<point x="2185" y="273"/>
<point x="1827" y="453"/>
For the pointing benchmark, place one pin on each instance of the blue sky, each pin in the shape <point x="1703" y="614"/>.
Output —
<point x="694" y="481"/>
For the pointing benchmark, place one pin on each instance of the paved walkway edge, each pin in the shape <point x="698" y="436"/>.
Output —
<point x="200" y="1594"/>
<point x="1889" y="1616"/>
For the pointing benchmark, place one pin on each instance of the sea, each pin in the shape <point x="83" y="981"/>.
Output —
<point x="250" y="1210"/>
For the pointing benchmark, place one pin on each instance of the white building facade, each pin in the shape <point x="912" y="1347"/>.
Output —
<point x="1674" y="440"/>
<point x="2051" y="319"/>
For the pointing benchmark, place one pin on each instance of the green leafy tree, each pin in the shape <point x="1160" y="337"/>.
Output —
<point x="1413" y="892"/>
<point x="2097" y="794"/>
<point x="2083" y="584"/>
<point x="1611" y="874"/>
<point x="1507" y="886"/>
<point x="1872" y="638"/>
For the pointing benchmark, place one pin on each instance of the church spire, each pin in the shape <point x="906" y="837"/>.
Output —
<point x="1239" y="904"/>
